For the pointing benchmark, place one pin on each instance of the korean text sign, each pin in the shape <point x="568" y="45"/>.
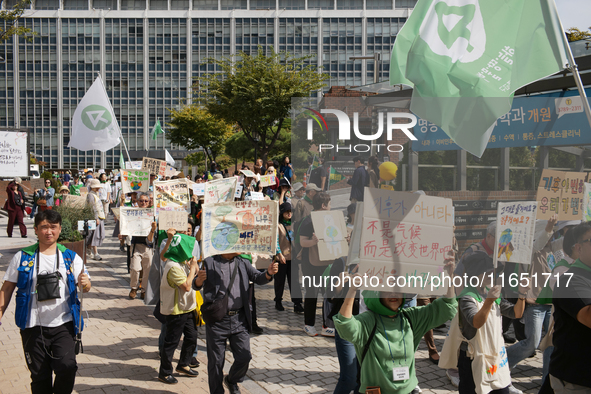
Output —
<point x="136" y="222"/>
<point x="240" y="227"/>
<point x="171" y="195"/>
<point x="173" y="219"/>
<point x="405" y="235"/>
<point x="154" y="166"/>
<point x="514" y="238"/>
<point x="561" y="193"/>
<point x="222" y="190"/>
<point x="135" y="181"/>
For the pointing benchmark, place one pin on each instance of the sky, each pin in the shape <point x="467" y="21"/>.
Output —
<point x="574" y="13"/>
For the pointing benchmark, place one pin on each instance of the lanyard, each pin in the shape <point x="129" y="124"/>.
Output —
<point x="57" y="257"/>
<point x="387" y="340"/>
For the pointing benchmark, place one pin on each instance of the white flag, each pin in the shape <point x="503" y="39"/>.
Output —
<point x="169" y="159"/>
<point x="94" y="126"/>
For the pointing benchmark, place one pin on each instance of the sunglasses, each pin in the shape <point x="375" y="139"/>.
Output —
<point x="146" y="201"/>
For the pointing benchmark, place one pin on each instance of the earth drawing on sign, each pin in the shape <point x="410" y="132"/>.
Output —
<point x="224" y="236"/>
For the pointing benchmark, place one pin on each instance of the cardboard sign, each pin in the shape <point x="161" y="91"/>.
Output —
<point x="14" y="154"/>
<point x="221" y="190"/>
<point x="199" y="189"/>
<point x="135" y="222"/>
<point x="238" y="192"/>
<point x="135" y="181"/>
<point x="133" y="165"/>
<point x="173" y="219"/>
<point x="240" y="227"/>
<point x="404" y="236"/>
<point x="171" y="171"/>
<point x="154" y="166"/>
<point x="37" y="183"/>
<point x="331" y="230"/>
<point x="171" y="195"/>
<point x="257" y="196"/>
<point x="248" y="173"/>
<point x="268" y="180"/>
<point x="515" y="231"/>
<point x="586" y="203"/>
<point x="561" y="193"/>
<point x="72" y="201"/>
<point x="116" y="212"/>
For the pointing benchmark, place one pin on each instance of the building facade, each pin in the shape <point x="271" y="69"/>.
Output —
<point x="149" y="53"/>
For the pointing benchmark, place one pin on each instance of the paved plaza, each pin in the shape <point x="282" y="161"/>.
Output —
<point x="120" y="343"/>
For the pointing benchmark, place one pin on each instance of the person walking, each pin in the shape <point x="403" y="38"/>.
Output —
<point x="15" y="206"/>
<point x="96" y="237"/>
<point x="46" y="194"/>
<point x="359" y="180"/>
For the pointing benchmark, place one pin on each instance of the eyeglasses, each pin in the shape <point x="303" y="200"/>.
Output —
<point x="585" y="240"/>
<point x="144" y="201"/>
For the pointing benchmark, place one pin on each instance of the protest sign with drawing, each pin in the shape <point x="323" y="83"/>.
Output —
<point x="135" y="181"/>
<point x="587" y="203"/>
<point x="240" y="227"/>
<point x="331" y="230"/>
<point x="268" y="180"/>
<point x="135" y="222"/>
<point x="173" y="219"/>
<point x="248" y="173"/>
<point x="515" y="231"/>
<point x="171" y="195"/>
<point x="198" y="189"/>
<point x="221" y="190"/>
<point x="154" y="166"/>
<point x="561" y="193"/>
<point x="133" y="165"/>
<point x="405" y="236"/>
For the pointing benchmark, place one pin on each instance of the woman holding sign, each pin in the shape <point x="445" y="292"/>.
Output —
<point x="387" y="336"/>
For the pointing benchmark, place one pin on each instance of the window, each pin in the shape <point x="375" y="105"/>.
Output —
<point x="47" y="4"/>
<point x="234" y="4"/>
<point x="105" y="4"/>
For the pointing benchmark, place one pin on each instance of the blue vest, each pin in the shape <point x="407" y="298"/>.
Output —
<point x="25" y="284"/>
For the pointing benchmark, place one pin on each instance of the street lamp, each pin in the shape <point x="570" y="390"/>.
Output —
<point x="376" y="60"/>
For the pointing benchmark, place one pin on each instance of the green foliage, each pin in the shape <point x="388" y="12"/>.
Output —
<point x="55" y="183"/>
<point x="193" y="128"/>
<point x="11" y="27"/>
<point x="70" y="217"/>
<point x="238" y="146"/>
<point x="255" y="92"/>
<point x="198" y="159"/>
<point x="576" y="34"/>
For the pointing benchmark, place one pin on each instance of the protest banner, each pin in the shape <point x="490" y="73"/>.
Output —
<point x="154" y="166"/>
<point x="37" y="183"/>
<point x="267" y="180"/>
<point x="586" y="202"/>
<point x="133" y="165"/>
<point x="221" y="190"/>
<point x="171" y="195"/>
<point x="331" y="230"/>
<point x="198" y="189"/>
<point x="515" y="231"/>
<point x="405" y="238"/>
<point x="135" y="181"/>
<point x="560" y="193"/>
<point x="73" y="201"/>
<point x="173" y="219"/>
<point x="240" y="227"/>
<point x="135" y="222"/>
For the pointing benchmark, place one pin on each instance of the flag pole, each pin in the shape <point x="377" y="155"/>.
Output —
<point x="575" y="71"/>
<point x="120" y="134"/>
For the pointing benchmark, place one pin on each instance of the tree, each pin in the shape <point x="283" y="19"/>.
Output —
<point x="11" y="18"/>
<point x="576" y="34"/>
<point x="255" y="92"/>
<point x="193" y="128"/>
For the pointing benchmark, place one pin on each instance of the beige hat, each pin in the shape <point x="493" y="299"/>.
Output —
<point x="64" y="188"/>
<point x="218" y="176"/>
<point x="17" y="180"/>
<point x="297" y="186"/>
<point x="94" y="184"/>
<point x="312" y="186"/>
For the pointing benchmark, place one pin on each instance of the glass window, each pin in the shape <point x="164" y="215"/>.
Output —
<point x="292" y="4"/>
<point x="133" y="5"/>
<point x="378" y="4"/>
<point x="205" y="4"/>
<point x="104" y="4"/>
<point x="320" y="4"/>
<point x="406" y="3"/>
<point x="349" y="4"/>
<point x="159" y="5"/>
<point x="179" y="4"/>
<point x="234" y="4"/>
<point x="75" y="4"/>
<point x="262" y="4"/>
<point x="47" y="4"/>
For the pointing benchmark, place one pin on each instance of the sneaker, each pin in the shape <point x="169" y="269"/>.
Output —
<point x="298" y="308"/>
<point x="97" y="257"/>
<point x="513" y="390"/>
<point x="122" y="248"/>
<point x="454" y="377"/>
<point x="256" y="329"/>
<point x="142" y="295"/>
<point x="327" y="332"/>
<point x="310" y="330"/>
<point x="132" y="294"/>
<point x="416" y="390"/>
<point x="194" y="363"/>
<point x="232" y="387"/>
<point x="90" y="255"/>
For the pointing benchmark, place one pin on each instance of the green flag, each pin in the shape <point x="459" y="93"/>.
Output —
<point x="121" y="161"/>
<point x="334" y="177"/>
<point x="466" y="58"/>
<point x="157" y="130"/>
<point x="181" y="248"/>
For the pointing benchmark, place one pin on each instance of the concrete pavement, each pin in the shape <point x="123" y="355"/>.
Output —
<point x="120" y="342"/>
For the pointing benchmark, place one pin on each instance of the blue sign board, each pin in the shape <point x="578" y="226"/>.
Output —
<point x="544" y="120"/>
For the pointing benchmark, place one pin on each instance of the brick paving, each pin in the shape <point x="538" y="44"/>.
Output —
<point x="120" y="343"/>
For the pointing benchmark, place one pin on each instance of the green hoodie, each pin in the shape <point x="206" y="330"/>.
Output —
<point x="376" y="369"/>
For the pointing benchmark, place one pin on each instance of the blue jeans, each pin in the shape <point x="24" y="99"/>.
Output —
<point x="33" y="209"/>
<point x="348" y="366"/>
<point x="535" y="318"/>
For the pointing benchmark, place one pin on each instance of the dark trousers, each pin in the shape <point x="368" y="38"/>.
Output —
<point x="314" y="276"/>
<point x="177" y="325"/>
<point x="518" y="326"/>
<point x="232" y="328"/>
<point x="284" y="272"/>
<point x="296" y="285"/>
<point x="467" y="385"/>
<point x="47" y="350"/>
<point x="16" y="217"/>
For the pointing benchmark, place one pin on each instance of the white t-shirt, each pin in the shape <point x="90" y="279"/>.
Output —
<point x="50" y="313"/>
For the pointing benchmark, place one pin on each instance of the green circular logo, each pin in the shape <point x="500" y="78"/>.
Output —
<point x="96" y="117"/>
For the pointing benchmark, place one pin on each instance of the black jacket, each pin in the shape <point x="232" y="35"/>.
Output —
<point x="246" y="272"/>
